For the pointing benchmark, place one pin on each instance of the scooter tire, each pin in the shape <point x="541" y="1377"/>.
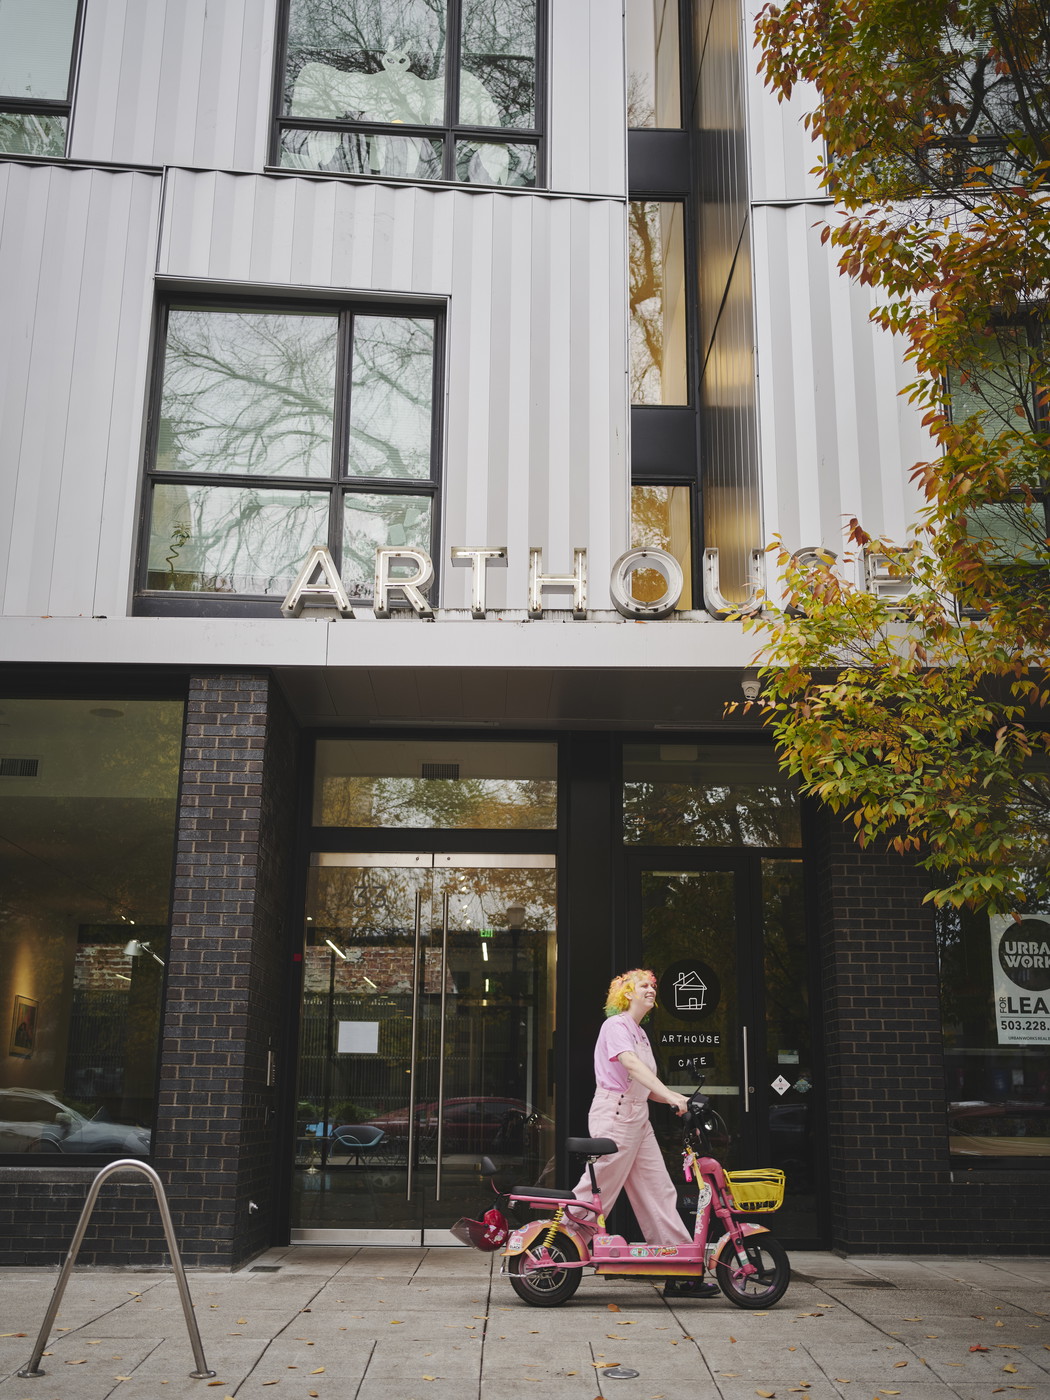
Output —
<point x="547" y="1287"/>
<point x="761" y="1290"/>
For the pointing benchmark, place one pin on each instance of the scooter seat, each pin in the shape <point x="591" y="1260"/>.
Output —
<point x="546" y="1193"/>
<point x="592" y="1147"/>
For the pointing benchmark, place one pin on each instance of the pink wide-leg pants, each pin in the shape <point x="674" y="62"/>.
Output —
<point x="637" y="1166"/>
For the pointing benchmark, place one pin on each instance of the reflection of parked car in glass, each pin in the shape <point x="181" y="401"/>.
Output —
<point x="33" y="1121"/>
<point x="484" y="1124"/>
<point x="979" y="1129"/>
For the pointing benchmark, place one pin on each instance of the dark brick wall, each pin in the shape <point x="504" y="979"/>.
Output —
<point x="891" y="1183"/>
<point x="226" y="992"/>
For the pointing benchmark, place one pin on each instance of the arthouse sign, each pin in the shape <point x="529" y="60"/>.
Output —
<point x="318" y="582"/>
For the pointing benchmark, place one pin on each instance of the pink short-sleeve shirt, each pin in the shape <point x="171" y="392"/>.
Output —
<point x="619" y="1033"/>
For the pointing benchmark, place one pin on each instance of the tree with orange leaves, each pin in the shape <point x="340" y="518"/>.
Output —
<point x="918" y="710"/>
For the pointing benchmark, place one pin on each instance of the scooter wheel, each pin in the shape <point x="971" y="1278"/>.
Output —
<point x="764" y="1287"/>
<point x="547" y="1287"/>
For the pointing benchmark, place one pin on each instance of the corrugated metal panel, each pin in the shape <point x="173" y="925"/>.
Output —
<point x="537" y="388"/>
<point x="190" y="84"/>
<point x="175" y="84"/>
<point x="837" y="440"/>
<point x="76" y="253"/>
<point x="588" y="131"/>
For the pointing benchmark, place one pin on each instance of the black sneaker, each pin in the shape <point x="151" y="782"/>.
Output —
<point x="690" y="1288"/>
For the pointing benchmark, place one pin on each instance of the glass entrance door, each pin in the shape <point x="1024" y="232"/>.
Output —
<point x="726" y="938"/>
<point x="427" y="1018"/>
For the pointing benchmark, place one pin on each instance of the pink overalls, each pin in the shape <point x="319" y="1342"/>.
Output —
<point x="622" y="1113"/>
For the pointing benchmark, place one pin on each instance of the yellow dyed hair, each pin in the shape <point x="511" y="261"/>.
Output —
<point x="621" y="987"/>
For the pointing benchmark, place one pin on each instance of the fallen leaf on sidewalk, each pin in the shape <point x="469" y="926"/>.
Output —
<point x="1000" y="1324"/>
<point x="898" y="1364"/>
<point x="732" y="1339"/>
<point x="318" y="1371"/>
<point x="613" y="1307"/>
<point x="13" y="1334"/>
<point x="242" y="1322"/>
<point x="430" y="1378"/>
<point x="843" y="1380"/>
<point x="1011" y="1368"/>
<point x="122" y="1378"/>
<point x="601" y="1365"/>
<point x="81" y="1362"/>
<point x="979" y="1347"/>
<point x="216" y="1382"/>
<point x="766" y="1394"/>
<point x="92" y="1344"/>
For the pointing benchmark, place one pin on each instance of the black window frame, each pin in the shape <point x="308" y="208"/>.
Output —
<point x="338" y="484"/>
<point x="449" y="131"/>
<point x="48" y="107"/>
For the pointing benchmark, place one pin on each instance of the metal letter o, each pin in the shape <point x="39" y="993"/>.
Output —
<point x="658" y="559"/>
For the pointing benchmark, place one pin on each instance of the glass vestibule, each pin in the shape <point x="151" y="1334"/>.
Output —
<point x="426" y="1036"/>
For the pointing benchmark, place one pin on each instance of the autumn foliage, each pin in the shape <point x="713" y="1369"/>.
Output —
<point x="918" y="709"/>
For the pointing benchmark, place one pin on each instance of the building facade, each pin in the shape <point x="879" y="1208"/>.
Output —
<point x="397" y="396"/>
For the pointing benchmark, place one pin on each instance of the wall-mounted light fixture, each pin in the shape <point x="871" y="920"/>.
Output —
<point x="136" y="947"/>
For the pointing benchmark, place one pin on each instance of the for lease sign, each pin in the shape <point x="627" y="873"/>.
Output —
<point x="1021" y="978"/>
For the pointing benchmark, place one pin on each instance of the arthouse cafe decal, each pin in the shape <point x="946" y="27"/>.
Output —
<point x="318" y="583"/>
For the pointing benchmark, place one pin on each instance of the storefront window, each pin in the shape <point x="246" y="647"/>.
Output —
<point x="87" y="825"/>
<point x="995" y="1009"/>
<point x="707" y="795"/>
<point x="425" y="784"/>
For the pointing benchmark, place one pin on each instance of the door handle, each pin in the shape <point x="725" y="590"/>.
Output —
<point x="441" y="1045"/>
<point x="747" y="1074"/>
<point x="414" y="1045"/>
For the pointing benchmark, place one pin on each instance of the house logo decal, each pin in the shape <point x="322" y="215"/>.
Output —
<point x="690" y="991"/>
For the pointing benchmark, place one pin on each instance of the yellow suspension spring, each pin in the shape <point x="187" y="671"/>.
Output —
<point x="548" y="1239"/>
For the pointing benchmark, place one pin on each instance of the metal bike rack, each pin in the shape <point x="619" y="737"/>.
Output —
<point x="32" y="1366"/>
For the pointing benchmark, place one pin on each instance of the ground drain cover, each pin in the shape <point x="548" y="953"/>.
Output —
<point x="265" y="1269"/>
<point x="620" y="1373"/>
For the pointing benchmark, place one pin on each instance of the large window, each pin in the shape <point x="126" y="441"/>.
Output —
<point x="995" y="1009"/>
<point x="413" y="89"/>
<point x="278" y="429"/>
<point x="87" y="827"/>
<point x="36" y="71"/>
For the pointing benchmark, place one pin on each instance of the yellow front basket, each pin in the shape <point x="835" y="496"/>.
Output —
<point x="756" y="1191"/>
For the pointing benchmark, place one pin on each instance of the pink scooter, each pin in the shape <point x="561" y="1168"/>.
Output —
<point x="546" y="1258"/>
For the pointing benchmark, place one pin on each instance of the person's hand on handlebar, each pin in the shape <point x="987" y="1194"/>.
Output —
<point x="678" y="1102"/>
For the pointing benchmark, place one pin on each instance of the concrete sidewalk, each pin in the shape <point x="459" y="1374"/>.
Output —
<point x="440" y="1324"/>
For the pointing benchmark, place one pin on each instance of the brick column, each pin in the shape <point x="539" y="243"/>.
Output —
<point x="227" y="966"/>
<point x="888" y="1146"/>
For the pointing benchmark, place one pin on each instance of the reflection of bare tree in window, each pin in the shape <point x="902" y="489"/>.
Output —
<point x="656" y="291"/>
<point x="390" y="408"/>
<point x="248" y="392"/>
<point x="499" y="42"/>
<point x="710" y="815"/>
<point x="494" y="803"/>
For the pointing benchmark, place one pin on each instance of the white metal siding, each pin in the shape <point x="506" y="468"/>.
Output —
<point x="588" y="128"/>
<point x="76" y="254"/>
<point x="536" y="377"/>
<point x="837" y="440"/>
<point x="190" y="83"/>
<point x="175" y="84"/>
<point x="782" y="152"/>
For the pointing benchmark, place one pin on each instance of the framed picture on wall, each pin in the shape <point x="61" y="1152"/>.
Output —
<point x="23" y="1027"/>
